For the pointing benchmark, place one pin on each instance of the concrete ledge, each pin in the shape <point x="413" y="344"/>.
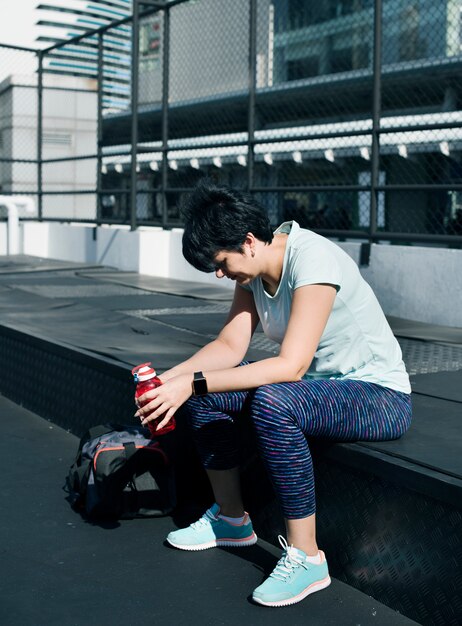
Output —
<point x="412" y="282"/>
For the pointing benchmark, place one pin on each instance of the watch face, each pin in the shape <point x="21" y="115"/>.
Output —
<point x="200" y="386"/>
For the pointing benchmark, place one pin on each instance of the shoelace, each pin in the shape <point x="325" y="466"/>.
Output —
<point x="204" y="520"/>
<point x="289" y="561"/>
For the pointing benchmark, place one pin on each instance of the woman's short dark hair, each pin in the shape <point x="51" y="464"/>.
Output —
<point x="218" y="218"/>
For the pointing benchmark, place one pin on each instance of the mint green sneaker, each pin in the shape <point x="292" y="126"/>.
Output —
<point x="292" y="579"/>
<point x="211" y="531"/>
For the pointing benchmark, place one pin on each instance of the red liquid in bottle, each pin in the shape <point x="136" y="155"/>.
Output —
<point x="146" y="379"/>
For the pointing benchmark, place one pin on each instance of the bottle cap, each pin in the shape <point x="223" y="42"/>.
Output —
<point x="143" y="372"/>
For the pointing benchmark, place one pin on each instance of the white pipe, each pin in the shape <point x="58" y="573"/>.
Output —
<point x="12" y="204"/>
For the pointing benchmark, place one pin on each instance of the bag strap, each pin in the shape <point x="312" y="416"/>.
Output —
<point x="97" y="431"/>
<point x="129" y="449"/>
<point x="102" y="429"/>
<point x="77" y="479"/>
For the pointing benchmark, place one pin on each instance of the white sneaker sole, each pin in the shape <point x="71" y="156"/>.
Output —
<point x="230" y="543"/>
<point x="317" y="586"/>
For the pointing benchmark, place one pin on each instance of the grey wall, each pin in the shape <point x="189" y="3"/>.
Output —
<point x="416" y="283"/>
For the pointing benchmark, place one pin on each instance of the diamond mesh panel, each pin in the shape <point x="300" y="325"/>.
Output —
<point x="81" y="291"/>
<point x="420" y="357"/>
<point x="75" y="393"/>
<point x="398" y="546"/>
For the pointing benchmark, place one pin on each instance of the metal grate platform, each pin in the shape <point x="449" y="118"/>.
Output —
<point x="425" y="357"/>
<point x="389" y="515"/>
<point x="80" y="291"/>
<point x="420" y="357"/>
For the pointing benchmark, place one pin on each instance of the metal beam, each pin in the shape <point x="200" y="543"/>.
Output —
<point x="376" y="111"/>
<point x="40" y="134"/>
<point x="165" y="111"/>
<point x="252" y="91"/>
<point x="99" y="131"/>
<point x="173" y="3"/>
<point x="134" y="109"/>
<point x="155" y="3"/>
<point x="11" y="47"/>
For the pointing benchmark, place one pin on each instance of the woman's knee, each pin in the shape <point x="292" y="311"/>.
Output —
<point x="214" y="407"/>
<point x="268" y="404"/>
<point x="198" y="411"/>
<point x="266" y="394"/>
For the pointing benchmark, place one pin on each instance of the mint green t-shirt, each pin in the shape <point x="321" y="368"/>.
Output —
<point x="357" y="342"/>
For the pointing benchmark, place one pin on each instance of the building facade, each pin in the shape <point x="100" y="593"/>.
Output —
<point x="60" y="20"/>
<point x="68" y="130"/>
<point x="313" y="106"/>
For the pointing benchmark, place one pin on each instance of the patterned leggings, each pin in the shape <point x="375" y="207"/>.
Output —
<point x="283" y="415"/>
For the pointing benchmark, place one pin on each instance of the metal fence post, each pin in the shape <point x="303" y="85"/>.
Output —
<point x="376" y="112"/>
<point x="165" y="98"/>
<point x="252" y="91"/>
<point x="99" y="139"/>
<point x="134" y="110"/>
<point x="40" y="134"/>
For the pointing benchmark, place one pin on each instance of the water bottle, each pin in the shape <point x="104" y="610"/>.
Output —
<point x="145" y="378"/>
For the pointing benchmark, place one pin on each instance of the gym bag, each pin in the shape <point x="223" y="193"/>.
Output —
<point x="121" y="473"/>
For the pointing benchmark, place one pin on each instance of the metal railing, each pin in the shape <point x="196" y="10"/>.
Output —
<point x="345" y="116"/>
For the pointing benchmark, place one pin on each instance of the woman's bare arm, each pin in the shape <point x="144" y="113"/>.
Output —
<point x="311" y="307"/>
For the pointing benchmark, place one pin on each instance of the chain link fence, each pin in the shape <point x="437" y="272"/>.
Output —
<point x="18" y="122"/>
<point x="69" y="130"/>
<point x="344" y="115"/>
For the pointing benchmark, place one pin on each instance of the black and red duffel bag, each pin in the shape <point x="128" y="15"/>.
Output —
<point x="120" y="472"/>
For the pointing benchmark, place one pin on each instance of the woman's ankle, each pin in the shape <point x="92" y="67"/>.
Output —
<point x="301" y="533"/>
<point x="227" y="491"/>
<point x="231" y="510"/>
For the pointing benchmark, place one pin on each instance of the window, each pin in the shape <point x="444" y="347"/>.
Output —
<point x="150" y="42"/>
<point x="302" y="68"/>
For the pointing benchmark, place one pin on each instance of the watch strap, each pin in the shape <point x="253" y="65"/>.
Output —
<point x="199" y="384"/>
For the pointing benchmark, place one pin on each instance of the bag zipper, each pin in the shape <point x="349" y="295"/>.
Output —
<point x="152" y="448"/>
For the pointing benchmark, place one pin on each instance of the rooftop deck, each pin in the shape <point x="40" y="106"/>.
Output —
<point x="58" y="569"/>
<point x="81" y="328"/>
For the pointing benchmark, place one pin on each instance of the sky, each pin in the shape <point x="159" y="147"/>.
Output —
<point x="18" y="27"/>
<point x="17" y="22"/>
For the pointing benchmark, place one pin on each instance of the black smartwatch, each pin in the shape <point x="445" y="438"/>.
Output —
<point x="199" y="385"/>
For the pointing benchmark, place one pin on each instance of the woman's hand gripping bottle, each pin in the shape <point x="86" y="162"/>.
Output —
<point x="145" y="378"/>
